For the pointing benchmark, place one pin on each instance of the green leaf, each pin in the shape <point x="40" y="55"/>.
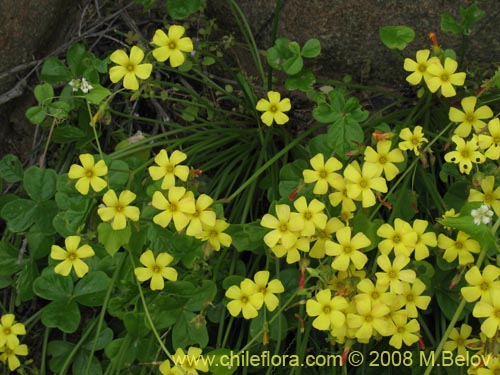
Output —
<point x="24" y="282"/>
<point x="247" y="237"/>
<point x="185" y="331"/>
<point x="40" y="184"/>
<point x="59" y="350"/>
<point x="75" y="58"/>
<point x="59" y="109"/>
<point x="8" y="259"/>
<point x="97" y="94"/>
<point x="104" y="338"/>
<point x="36" y="115"/>
<point x="54" y="71"/>
<point x="11" y="169"/>
<point x="471" y="15"/>
<point x="67" y="134"/>
<point x="112" y="239"/>
<point x="91" y="289"/>
<point x="135" y="324"/>
<point x="39" y="244"/>
<point x="302" y="81"/>
<point x="362" y="224"/>
<point x="180" y="9"/>
<point x="52" y="286"/>
<point x="19" y="214"/>
<point x="81" y="361"/>
<point x="63" y="315"/>
<point x="203" y="296"/>
<point x="343" y="136"/>
<point x="311" y="48"/>
<point x="118" y="174"/>
<point x="44" y="215"/>
<point x="44" y="93"/>
<point x="319" y="145"/>
<point x="449" y="24"/>
<point x="293" y="65"/>
<point x="397" y="37"/>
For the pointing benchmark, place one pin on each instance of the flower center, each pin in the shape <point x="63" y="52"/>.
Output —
<point x="496" y="313"/>
<point x="170" y="168"/>
<point x="375" y="295"/>
<point x="119" y="208"/>
<point x="369" y="318"/>
<point x="273" y="108"/>
<point x="415" y="141"/>
<point x="173" y="207"/>
<point x="465" y="154"/>
<point x="410" y="297"/>
<point x="396" y="239"/>
<point x="307" y="215"/>
<point x="392" y="274"/>
<point x="172" y="45"/>
<point x="363" y="183"/>
<point x="244" y="300"/>
<point x="382" y="160"/>
<point x="7" y="331"/>
<point x="327" y="310"/>
<point x="156" y="269"/>
<point x="401" y="329"/>
<point x="496" y="139"/>
<point x="460" y="341"/>
<point x="323" y="174"/>
<point x="347" y="249"/>
<point x="89" y="173"/>
<point x="445" y="77"/>
<point x="283" y="228"/>
<point x="488" y="198"/>
<point x="459" y="245"/>
<point x="421" y="68"/>
<point x="130" y="67"/>
<point x="484" y="286"/>
<point x="213" y="234"/>
<point x="72" y="256"/>
<point x="470" y="117"/>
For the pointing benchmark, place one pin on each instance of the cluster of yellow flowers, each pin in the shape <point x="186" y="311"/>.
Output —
<point x="168" y="47"/>
<point x="435" y="74"/>
<point x="249" y="297"/>
<point x="185" y="363"/>
<point x="176" y="204"/>
<point x="10" y="347"/>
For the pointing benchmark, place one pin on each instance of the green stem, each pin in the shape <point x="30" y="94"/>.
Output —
<point x="44" y="351"/>
<point x="77" y="347"/>
<point x="270" y="162"/>
<point x="276" y="18"/>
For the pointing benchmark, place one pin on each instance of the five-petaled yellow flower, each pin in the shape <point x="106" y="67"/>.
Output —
<point x="286" y="227"/>
<point x="88" y="174"/>
<point x="384" y="159"/>
<point x="168" y="168"/>
<point x="9" y="330"/>
<point x="203" y="215"/>
<point x="491" y="142"/>
<point x="444" y="77"/>
<point x="480" y="284"/>
<point x="268" y="289"/>
<point x="462" y="248"/>
<point x="245" y="299"/>
<point x="155" y="269"/>
<point x="412" y="140"/>
<point x="490" y="311"/>
<point x="329" y="312"/>
<point x="361" y="182"/>
<point x="129" y="68"/>
<point x="459" y="340"/>
<point x="117" y="209"/>
<point x="489" y="195"/>
<point x="419" y="68"/>
<point x="404" y="331"/>
<point x="215" y="235"/>
<point x="191" y="362"/>
<point x="347" y="249"/>
<point x="172" y="46"/>
<point x="71" y="257"/>
<point x="9" y="354"/>
<point x="178" y="207"/>
<point x="465" y="154"/>
<point x="322" y="173"/>
<point x="273" y="109"/>
<point x="470" y="117"/>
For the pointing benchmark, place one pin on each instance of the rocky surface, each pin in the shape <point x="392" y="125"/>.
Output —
<point x="349" y="31"/>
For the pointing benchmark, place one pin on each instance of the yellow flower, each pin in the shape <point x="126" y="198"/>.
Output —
<point x="215" y="235"/>
<point x="168" y="168"/>
<point x="411" y="298"/>
<point x="340" y="195"/>
<point x="155" y="269"/>
<point x="383" y="159"/>
<point x="492" y="367"/>
<point x="370" y="318"/>
<point x="245" y="299"/>
<point x="394" y="273"/>
<point x="376" y="292"/>
<point x="292" y="253"/>
<point x="322" y="173"/>
<point x="465" y="154"/>
<point x="202" y="215"/>
<point x="312" y="215"/>
<point x="347" y="250"/>
<point x="190" y="362"/>
<point x="178" y="207"/>
<point x="9" y="354"/>
<point x="129" y="68"/>
<point x="459" y="341"/>
<point x="412" y="140"/>
<point x="404" y="331"/>
<point x="444" y="77"/>
<point x="401" y="238"/>
<point x="491" y="142"/>
<point x="118" y="209"/>
<point x="469" y="118"/>
<point x="171" y="46"/>
<point x="462" y="247"/>
<point x="273" y="109"/>
<point x="166" y="369"/>
<point x="360" y="183"/>
<point x="489" y="197"/>
<point x="324" y="236"/>
<point x="9" y="330"/>
<point x="88" y="174"/>
<point x="71" y="257"/>
<point x="423" y="239"/>
<point x="490" y="311"/>
<point x="268" y="289"/>
<point x="480" y="284"/>
<point x="327" y="310"/>
<point x="286" y="227"/>
<point x="419" y="67"/>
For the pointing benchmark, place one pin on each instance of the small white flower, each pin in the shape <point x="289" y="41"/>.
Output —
<point x="75" y="84"/>
<point x="85" y="86"/>
<point x="482" y="215"/>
